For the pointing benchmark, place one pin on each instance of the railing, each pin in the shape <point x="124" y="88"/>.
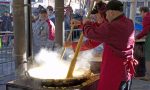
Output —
<point x="7" y="64"/>
<point x="75" y="35"/>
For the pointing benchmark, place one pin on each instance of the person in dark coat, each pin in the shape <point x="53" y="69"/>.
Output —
<point x="6" y="22"/>
<point x="146" y="32"/>
<point x="51" y="13"/>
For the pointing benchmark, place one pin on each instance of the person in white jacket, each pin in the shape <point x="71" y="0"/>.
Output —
<point x="43" y="33"/>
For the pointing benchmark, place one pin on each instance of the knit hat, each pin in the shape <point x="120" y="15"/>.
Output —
<point x="99" y="7"/>
<point x="68" y="9"/>
<point x="50" y="8"/>
<point x="115" y="5"/>
<point x="42" y="11"/>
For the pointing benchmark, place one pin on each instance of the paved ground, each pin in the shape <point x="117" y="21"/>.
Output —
<point x="140" y="85"/>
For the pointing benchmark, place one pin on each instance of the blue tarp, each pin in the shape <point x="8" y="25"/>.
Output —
<point x="138" y="23"/>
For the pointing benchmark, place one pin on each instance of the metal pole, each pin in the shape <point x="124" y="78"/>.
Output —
<point x="28" y="27"/>
<point x="19" y="34"/>
<point x="133" y="9"/>
<point x="146" y="3"/>
<point x="48" y="2"/>
<point x="59" y="8"/>
<point x="28" y="33"/>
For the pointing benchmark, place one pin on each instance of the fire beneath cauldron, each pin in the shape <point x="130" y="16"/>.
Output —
<point x="51" y="67"/>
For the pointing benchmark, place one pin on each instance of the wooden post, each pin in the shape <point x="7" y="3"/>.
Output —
<point x="19" y="33"/>
<point x="59" y="33"/>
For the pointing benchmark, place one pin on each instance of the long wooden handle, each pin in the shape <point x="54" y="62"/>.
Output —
<point x="74" y="60"/>
<point x="68" y="38"/>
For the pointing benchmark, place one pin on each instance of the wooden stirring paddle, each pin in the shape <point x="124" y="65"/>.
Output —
<point x="74" y="60"/>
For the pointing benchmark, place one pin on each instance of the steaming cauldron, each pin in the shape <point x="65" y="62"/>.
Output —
<point x="63" y="82"/>
<point x="76" y="80"/>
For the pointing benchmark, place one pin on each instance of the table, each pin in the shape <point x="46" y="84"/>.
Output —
<point x="139" y="55"/>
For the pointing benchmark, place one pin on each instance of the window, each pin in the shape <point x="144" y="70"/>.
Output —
<point x="149" y="4"/>
<point x="139" y="4"/>
<point x="41" y="1"/>
<point x="32" y="0"/>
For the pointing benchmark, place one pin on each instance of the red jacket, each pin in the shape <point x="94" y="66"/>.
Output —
<point x="51" y="29"/>
<point x="146" y="26"/>
<point x="117" y="60"/>
<point x="88" y="44"/>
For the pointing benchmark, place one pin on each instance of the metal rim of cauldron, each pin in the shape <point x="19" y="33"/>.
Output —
<point x="63" y="82"/>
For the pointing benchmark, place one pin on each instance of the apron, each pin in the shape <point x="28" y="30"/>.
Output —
<point x="111" y="70"/>
<point x="114" y="70"/>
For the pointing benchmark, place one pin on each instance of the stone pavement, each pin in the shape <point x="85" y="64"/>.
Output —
<point x="140" y="85"/>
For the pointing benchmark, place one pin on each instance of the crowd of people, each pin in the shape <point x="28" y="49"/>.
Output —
<point x="6" y="22"/>
<point x="49" y="14"/>
<point x="6" y="25"/>
<point x="68" y="14"/>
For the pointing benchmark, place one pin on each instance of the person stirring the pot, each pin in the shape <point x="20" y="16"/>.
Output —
<point x="117" y="35"/>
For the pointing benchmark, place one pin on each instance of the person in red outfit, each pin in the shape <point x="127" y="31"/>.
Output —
<point x="99" y="13"/>
<point x="146" y="32"/>
<point x="117" y="35"/>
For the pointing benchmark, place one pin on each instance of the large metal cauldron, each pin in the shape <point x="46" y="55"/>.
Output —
<point x="63" y="82"/>
<point x="76" y="80"/>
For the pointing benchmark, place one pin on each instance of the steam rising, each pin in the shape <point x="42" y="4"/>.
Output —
<point x="51" y="67"/>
